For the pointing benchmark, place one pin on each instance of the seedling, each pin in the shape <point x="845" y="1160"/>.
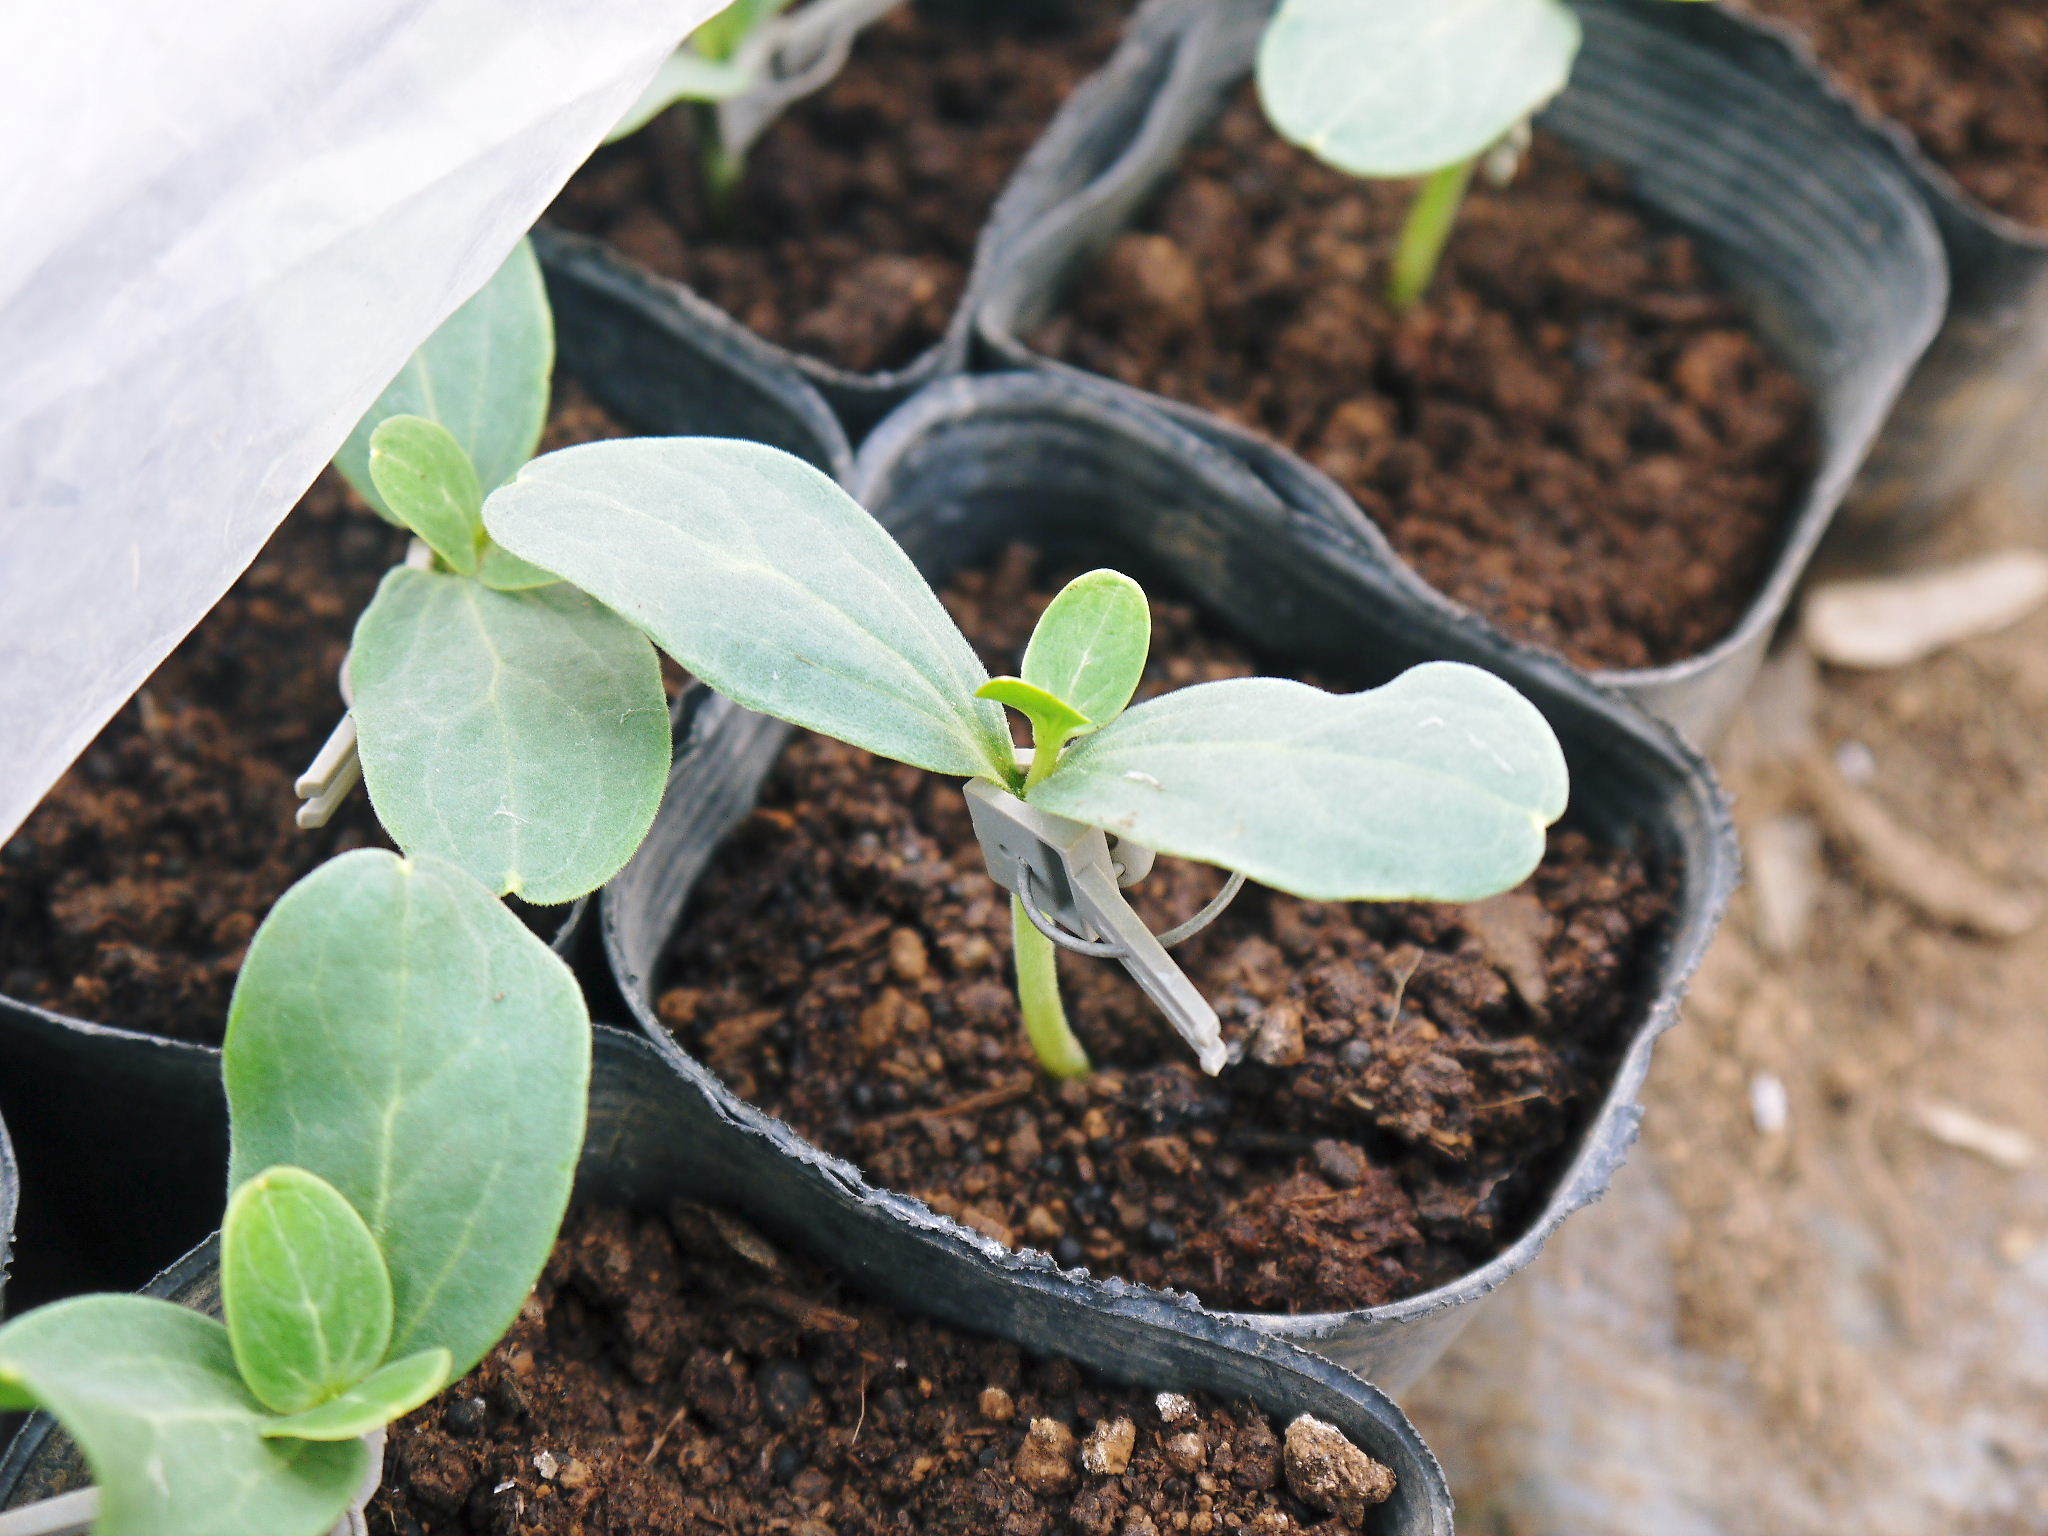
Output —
<point x="774" y="587"/>
<point x="747" y="49"/>
<point x="1414" y="88"/>
<point x="406" y="1069"/>
<point x="503" y="720"/>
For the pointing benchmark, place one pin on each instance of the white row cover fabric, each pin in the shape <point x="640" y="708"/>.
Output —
<point x="224" y="226"/>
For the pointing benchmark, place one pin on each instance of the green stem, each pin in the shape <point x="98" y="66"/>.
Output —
<point x="722" y="169"/>
<point x="1426" y="233"/>
<point x="1038" y="969"/>
<point x="1038" y="993"/>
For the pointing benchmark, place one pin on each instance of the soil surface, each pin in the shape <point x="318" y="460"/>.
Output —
<point x="852" y="235"/>
<point x="679" y="1376"/>
<point x="1575" y="433"/>
<point x="1412" y="1070"/>
<point x="129" y="896"/>
<point x="1970" y="81"/>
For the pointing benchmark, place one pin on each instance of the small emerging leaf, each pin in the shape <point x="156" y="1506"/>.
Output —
<point x="307" y="1297"/>
<point x="379" y="1399"/>
<point x="483" y="375"/>
<point x="150" y="1393"/>
<point x="1436" y="787"/>
<point x="765" y="579"/>
<point x="1053" y="721"/>
<point x="521" y="735"/>
<point x="1090" y="644"/>
<point x="1392" y="88"/>
<point x="429" y="485"/>
<point x="397" y="1031"/>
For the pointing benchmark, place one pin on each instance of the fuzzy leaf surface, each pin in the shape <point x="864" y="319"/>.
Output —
<point x="397" y="1031"/>
<point x="1392" y="88"/>
<point x="1437" y="786"/>
<point x="307" y="1297"/>
<point x="150" y="1394"/>
<point x="1090" y="644"/>
<point x="429" y="485"/>
<point x="483" y="375"/>
<point x="764" y="578"/>
<point x="521" y="735"/>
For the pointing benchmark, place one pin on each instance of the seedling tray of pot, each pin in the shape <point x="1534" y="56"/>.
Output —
<point x="808" y="931"/>
<point x="1619" y="423"/>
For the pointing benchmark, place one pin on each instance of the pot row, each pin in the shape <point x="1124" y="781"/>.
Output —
<point x="651" y="1143"/>
<point x="1075" y="469"/>
<point x="1847" y="250"/>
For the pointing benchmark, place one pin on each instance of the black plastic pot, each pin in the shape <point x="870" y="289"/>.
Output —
<point x="653" y="1140"/>
<point x="1974" y="407"/>
<point x="1063" y="461"/>
<point x="862" y="399"/>
<point x="1813" y="224"/>
<point x="666" y="363"/>
<point x="120" y="1141"/>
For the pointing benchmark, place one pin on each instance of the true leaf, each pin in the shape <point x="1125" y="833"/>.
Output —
<point x="769" y="582"/>
<point x="723" y="35"/>
<point x="1404" y="87"/>
<point x="1090" y="644"/>
<point x="1436" y="787"/>
<point x="1053" y="720"/>
<point x="307" y="1298"/>
<point x="429" y="485"/>
<point x="378" y="1399"/>
<point x="521" y="735"/>
<point x="150" y="1394"/>
<point x="400" y="1033"/>
<point x="483" y="375"/>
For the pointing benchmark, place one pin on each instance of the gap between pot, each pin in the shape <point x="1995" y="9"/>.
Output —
<point x="1841" y="269"/>
<point x="651" y="1140"/>
<point x="972" y="462"/>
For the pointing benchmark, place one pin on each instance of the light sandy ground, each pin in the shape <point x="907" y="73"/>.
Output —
<point x="1816" y="1303"/>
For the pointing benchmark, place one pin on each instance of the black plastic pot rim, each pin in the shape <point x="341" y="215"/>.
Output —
<point x="1610" y="1129"/>
<point x="635" y="1111"/>
<point x="1202" y="62"/>
<point x="1939" y="182"/>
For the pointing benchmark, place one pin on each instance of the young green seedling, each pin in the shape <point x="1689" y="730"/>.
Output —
<point x="504" y="720"/>
<point x="406" y="1069"/>
<point x="1413" y="88"/>
<point x="726" y="56"/>
<point x="773" y="586"/>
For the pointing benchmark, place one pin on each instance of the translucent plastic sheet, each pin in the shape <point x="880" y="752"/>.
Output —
<point x="224" y="225"/>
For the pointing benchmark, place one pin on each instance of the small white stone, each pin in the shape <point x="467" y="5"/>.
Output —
<point x="1173" y="1407"/>
<point x="545" y="1464"/>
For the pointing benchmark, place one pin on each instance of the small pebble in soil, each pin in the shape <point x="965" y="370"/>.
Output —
<point x="1327" y="1470"/>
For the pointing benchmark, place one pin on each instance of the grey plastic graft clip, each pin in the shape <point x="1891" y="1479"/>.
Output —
<point x="1070" y="883"/>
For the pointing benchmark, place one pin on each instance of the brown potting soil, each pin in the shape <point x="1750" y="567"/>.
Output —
<point x="1413" y="1071"/>
<point x="851" y="236"/>
<point x="130" y="894"/>
<point x="673" y="1377"/>
<point x="1575" y="433"/>
<point x="1970" y="81"/>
